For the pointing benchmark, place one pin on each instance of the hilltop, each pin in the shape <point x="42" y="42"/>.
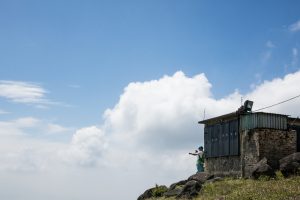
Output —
<point x="242" y="189"/>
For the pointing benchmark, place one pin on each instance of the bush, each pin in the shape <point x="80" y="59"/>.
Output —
<point x="158" y="191"/>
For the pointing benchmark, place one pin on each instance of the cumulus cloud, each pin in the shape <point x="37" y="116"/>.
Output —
<point x="87" y="146"/>
<point x="25" y="144"/>
<point x="295" y="27"/>
<point x="152" y="126"/>
<point x="163" y="114"/>
<point x="279" y="89"/>
<point x="155" y="120"/>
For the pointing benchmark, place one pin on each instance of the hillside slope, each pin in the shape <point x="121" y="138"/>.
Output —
<point x="242" y="189"/>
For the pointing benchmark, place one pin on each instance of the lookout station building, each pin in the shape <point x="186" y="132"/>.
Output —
<point x="235" y="142"/>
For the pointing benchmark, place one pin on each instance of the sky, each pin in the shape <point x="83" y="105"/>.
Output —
<point x="101" y="99"/>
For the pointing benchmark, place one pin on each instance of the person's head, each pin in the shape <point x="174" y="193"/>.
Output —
<point x="200" y="148"/>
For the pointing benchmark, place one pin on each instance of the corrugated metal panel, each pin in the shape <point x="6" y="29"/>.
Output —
<point x="235" y="138"/>
<point x="226" y="139"/>
<point x="231" y="140"/>
<point x="207" y="139"/>
<point x="222" y="139"/>
<point x="263" y="120"/>
<point x="216" y="143"/>
<point x="212" y="141"/>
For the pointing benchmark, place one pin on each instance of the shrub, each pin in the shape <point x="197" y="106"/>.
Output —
<point x="158" y="191"/>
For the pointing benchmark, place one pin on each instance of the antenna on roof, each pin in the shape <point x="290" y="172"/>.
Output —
<point x="204" y="114"/>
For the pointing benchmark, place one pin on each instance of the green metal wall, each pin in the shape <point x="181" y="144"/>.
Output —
<point x="263" y="120"/>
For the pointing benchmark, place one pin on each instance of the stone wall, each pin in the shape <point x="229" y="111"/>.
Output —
<point x="276" y="144"/>
<point x="249" y="151"/>
<point x="259" y="143"/>
<point x="224" y="166"/>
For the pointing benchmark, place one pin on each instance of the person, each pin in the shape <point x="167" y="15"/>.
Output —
<point x="200" y="160"/>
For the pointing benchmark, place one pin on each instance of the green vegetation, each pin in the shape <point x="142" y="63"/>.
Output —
<point x="158" y="191"/>
<point x="242" y="189"/>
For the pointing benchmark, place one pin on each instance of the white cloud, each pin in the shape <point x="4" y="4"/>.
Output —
<point x="161" y="113"/>
<point x="29" y="125"/>
<point x="295" y="27"/>
<point x="279" y="89"/>
<point x="26" y="93"/>
<point x="55" y="128"/>
<point x="86" y="147"/>
<point x="152" y="126"/>
<point x="22" y="92"/>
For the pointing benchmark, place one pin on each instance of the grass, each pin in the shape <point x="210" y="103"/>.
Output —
<point x="236" y="189"/>
<point x="247" y="189"/>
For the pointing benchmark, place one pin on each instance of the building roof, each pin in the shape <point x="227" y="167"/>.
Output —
<point x="219" y="118"/>
<point x="234" y="115"/>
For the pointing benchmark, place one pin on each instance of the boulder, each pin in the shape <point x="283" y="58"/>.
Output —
<point x="157" y="191"/>
<point x="173" y="192"/>
<point x="175" y="189"/>
<point x="190" y="190"/>
<point x="262" y="168"/>
<point x="179" y="183"/>
<point x="146" y="195"/>
<point x="201" y="177"/>
<point x="290" y="164"/>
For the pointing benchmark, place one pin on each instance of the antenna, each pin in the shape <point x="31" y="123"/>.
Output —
<point x="204" y="114"/>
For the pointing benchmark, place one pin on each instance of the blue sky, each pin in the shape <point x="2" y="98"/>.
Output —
<point x="101" y="46"/>
<point x="82" y="77"/>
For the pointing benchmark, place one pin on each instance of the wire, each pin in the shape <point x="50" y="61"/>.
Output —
<point x="277" y="103"/>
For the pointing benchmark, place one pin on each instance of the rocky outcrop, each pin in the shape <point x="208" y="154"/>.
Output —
<point x="185" y="189"/>
<point x="175" y="189"/>
<point x="290" y="165"/>
<point x="262" y="168"/>
<point x="157" y="191"/>
<point x="201" y="177"/>
<point x="190" y="190"/>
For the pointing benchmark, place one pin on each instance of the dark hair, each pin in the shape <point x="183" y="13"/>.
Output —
<point x="200" y="148"/>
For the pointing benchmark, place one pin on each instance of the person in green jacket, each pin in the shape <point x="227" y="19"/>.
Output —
<point x="200" y="160"/>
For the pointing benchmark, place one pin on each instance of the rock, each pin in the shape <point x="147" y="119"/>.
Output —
<point x="201" y="177"/>
<point x="147" y="194"/>
<point x="179" y="183"/>
<point x="157" y="191"/>
<point x="290" y="164"/>
<point x="190" y="189"/>
<point x="175" y="189"/>
<point x="174" y="192"/>
<point x="262" y="168"/>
